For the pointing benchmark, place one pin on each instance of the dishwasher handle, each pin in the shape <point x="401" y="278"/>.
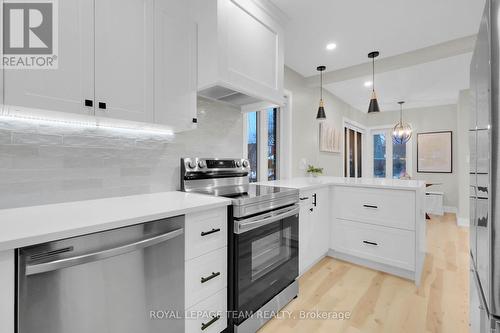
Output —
<point x="100" y="255"/>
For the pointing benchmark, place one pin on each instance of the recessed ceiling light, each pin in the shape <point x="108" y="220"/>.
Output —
<point x="368" y="84"/>
<point x="331" y="46"/>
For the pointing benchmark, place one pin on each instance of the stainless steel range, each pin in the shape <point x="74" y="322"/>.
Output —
<point x="263" y="238"/>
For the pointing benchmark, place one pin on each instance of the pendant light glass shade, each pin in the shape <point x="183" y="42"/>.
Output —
<point x="321" y="115"/>
<point x="402" y="132"/>
<point x="373" y="107"/>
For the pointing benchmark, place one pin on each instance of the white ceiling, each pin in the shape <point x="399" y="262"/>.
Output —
<point x="428" y="84"/>
<point x="359" y="26"/>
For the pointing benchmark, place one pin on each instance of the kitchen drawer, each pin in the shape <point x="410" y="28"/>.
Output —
<point x="384" y="245"/>
<point x="205" y="232"/>
<point x="200" y="315"/>
<point x="391" y="208"/>
<point x="210" y="267"/>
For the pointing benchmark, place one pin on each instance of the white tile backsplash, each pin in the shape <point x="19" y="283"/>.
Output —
<point x="44" y="163"/>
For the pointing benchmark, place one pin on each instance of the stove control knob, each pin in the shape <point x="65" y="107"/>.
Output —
<point x="246" y="164"/>
<point x="191" y="165"/>
<point x="202" y="164"/>
<point x="238" y="164"/>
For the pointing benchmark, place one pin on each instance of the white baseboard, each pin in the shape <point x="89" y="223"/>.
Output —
<point x="450" y="209"/>
<point x="463" y="222"/>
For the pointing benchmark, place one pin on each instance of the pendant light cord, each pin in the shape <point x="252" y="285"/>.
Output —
<point x="373" y="73"/>
<point x="321" y="85"/>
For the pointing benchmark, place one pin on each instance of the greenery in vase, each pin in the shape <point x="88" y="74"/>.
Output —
<point x="311" y="169"/>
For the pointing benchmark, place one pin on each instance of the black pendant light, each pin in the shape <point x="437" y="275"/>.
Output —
<point x="373" y="101"/>
<point x="321" y="110"/>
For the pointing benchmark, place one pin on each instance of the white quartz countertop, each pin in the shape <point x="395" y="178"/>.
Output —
<point x="25" y="226"/>
<point x="311" y="183"/>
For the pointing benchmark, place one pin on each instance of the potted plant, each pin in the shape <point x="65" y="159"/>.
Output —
<point x="314" y="171"/>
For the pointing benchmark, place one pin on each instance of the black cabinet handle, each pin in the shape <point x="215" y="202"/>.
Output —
<point x="102" y="105"/>
<point x="195" y="120"/>
<point x="311" y="209"/>
<point x="89" y="103"/>
<point x="208" y="278"/>
<point x="304" y="198"/>
<point x="314" y="199"/>
<point x="207" y="325"/>
<point x="370" y="243"/>
<point x="206" y="233"/>
<point x="370" y="206"/>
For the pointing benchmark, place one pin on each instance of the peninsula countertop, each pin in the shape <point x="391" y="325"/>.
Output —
<point x="305" y="183"/>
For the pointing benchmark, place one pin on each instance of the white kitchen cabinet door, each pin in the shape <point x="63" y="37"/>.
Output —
<point x="314" y="227"/>
<point x="175" y="59"/>
<point x="124" y="59"/>
<point x="63" y="89"/>
<point x="320" y="223"/>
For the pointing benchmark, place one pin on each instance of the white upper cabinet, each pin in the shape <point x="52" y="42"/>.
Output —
<point x="124" y="59"/>
<point x="66" y="88"/>
<point x="241" y="46"/>
<point x="175" y="62"/>
<point x="132" y="60"/>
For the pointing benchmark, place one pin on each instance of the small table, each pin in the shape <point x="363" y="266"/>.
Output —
<point x="427" y="217"/>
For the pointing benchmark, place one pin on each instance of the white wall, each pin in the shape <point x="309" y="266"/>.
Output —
<point x="438" y="118"/>
<point x="45" y="163"/>
<point x="464" y="109"/>
<point x="305" y="131"/>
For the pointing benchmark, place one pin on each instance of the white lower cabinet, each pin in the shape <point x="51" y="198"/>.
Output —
<point x="206" y="271"/>
<point x="314" y="227"/>
<point x="208" y="316"/>
<point x="205" y="276"/>
<point x="390" y="246"/>
<point x="381" y="228"/>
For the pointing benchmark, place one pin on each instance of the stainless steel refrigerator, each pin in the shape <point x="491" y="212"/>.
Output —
<point x="484" y="136"/>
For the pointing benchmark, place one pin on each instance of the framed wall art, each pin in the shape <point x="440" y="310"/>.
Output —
<point x="435" y="152"/>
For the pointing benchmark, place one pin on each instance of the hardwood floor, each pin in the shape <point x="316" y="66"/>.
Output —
<point x="379" y="302"/>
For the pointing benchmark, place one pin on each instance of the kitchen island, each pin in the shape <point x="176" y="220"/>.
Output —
<point x="377" y="223"/>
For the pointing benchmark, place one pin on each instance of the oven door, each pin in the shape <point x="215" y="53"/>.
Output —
<point x="266" y="258"/>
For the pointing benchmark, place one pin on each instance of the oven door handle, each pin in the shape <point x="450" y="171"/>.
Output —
<point x="250" y="224"/>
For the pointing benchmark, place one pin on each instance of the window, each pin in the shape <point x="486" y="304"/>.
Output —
<point x="272" y="144"/>
<point x="390" y="160"/>
<point x="257" y="149"/>
<point x="398" y="160"/>
<point x="253" y="149"/>
<point x="353" y="153"/>
<point x="379" y="155"/>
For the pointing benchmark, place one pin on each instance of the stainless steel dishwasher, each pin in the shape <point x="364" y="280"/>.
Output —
<point x="107" y="282"/>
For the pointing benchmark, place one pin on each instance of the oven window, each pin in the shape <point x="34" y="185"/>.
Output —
<point x="270" y="252"/>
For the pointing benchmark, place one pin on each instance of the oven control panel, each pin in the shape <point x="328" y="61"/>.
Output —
<point x="194" y="168"/>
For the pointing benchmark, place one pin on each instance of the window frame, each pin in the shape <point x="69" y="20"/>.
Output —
<point x="357" y="127"/>
<point x="387" y="130"/>
<point x="284" y="125"/>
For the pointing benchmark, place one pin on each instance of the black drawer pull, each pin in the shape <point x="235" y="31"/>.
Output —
<point x="370" y="206"/>
<point x="102" y="105"/>
<point x="315" y="196"/>
<point x="206" y="233"/>
<point x="370" y="243"/>
<point x="89" y="103"/>
<point x="304" y="198"/>
<point x="207" y="325"/>
<point x="208" y="278"/>
<point x="311" y="209"/>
